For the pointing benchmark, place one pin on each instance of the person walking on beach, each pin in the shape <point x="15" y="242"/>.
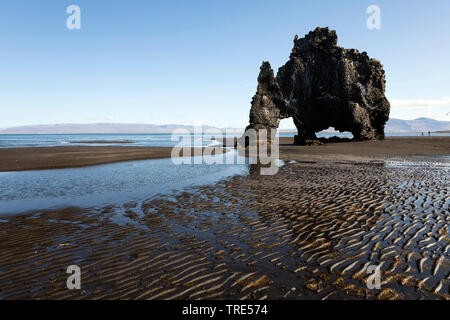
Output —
<point x="429" y="133"/>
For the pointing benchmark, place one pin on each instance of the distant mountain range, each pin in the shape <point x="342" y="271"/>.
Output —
<point x="416" y="125"/>
<point x="393" y="125"/>
<point x="71" y="128"/>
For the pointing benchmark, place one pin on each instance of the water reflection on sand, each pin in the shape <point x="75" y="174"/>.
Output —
<point x="109" y="184"/>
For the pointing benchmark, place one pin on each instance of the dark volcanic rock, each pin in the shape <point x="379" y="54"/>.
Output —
<point x="321" y="86"/>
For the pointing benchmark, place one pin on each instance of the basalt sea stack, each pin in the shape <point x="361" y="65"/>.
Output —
<point x="321" y="86"/>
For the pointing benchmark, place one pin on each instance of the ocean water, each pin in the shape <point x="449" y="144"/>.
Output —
<point x="109" y="184"/>
<point x="141" y="140"/>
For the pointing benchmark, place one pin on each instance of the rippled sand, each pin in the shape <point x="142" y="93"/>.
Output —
<point x="309" y="232"/>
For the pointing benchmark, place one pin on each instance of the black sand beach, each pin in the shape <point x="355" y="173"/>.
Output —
<point x="391" y="148"/>
<point x="308" y="232"/>
<point x="36" y="158"/>
<point x="39" y="158"/>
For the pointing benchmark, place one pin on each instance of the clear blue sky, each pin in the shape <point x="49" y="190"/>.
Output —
<point x="197" y="61"/>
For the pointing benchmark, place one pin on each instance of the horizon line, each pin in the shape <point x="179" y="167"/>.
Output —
<point x="169" y="124"/>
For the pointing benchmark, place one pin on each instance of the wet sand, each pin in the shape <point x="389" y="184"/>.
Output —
<point x="363" y="151"/>
<point x="38" y="158"/>
<point x="391" y="148"/>
<point x="309" y="232"/>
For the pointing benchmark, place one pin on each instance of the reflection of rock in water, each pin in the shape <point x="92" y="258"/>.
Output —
<point x="310" y="231"/>
<point x="262" y="159"/>
<point x="258" y="168"/>
<point x="255" y="169"/>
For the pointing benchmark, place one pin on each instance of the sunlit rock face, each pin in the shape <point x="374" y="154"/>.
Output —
<point x="321" y="86"/>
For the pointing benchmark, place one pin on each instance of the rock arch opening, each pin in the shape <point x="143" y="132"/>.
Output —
<point x="332" y="132"/>
<point x="287" y="125"/>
